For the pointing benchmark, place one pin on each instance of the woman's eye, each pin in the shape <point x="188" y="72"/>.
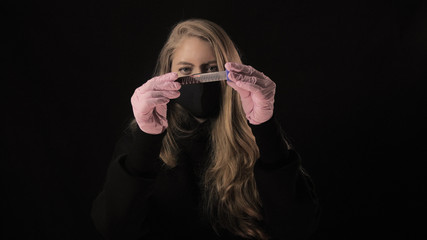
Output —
<point x="213" y="69"/>
<point x="185" y="70"/>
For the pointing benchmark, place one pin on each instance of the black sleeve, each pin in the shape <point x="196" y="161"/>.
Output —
<point x="271" y="143"/>
<point x="119" y="210"/>
<point x="289" y="202"/>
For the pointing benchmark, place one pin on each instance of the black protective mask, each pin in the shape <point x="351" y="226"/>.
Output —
<point x="202" y="100"/>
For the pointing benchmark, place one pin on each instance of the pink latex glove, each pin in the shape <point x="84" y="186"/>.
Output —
<point x="149" y="102"/>
<point x="256" y="91"/>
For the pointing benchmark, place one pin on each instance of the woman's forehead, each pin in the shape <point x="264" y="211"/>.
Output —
<point x="194" y="50"/>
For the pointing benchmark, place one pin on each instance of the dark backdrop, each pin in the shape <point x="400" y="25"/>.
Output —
<point x="350" y="94"/>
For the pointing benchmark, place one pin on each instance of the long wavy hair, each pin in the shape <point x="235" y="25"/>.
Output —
<point x="231" y="199"/>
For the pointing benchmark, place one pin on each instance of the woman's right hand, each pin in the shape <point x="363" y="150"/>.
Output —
<point x="149" y="102"/>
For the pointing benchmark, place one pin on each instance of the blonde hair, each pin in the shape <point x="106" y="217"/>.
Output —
<point x="231" y="199"/>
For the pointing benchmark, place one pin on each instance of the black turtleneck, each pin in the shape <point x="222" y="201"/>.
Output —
<point x="143" y="199"/>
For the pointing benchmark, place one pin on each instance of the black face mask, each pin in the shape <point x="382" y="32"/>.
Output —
<point x="202" y="100"/>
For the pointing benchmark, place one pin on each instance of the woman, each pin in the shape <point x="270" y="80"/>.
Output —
<point x="204" y="161"/>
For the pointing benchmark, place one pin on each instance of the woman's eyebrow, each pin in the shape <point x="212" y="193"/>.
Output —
<point x="185" y="63"/>
<point x="210" y="62"/>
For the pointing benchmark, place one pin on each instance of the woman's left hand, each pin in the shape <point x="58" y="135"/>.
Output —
<point x="256" y="91"/>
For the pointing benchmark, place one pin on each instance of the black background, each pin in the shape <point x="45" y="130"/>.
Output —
<point x="350" y="93"/>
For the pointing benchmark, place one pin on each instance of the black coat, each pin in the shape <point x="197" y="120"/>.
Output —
<point x="141" y="199"/>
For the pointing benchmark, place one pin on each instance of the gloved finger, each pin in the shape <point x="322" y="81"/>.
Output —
<point x="244" y="69"/>
<point x="151" y="103"/>
<point x="248" y="86"/>
<point x="162" y="94"/>
<point x="264" y="83"/>
<point x="141" y="93"/>
<point x="168" y="77"/>
<point x="230" y="77"/>
<point x="152" y="120"/>
<point x="237" y="77"/>
<point x="160" y="114"/>
<point x="161" y="86"/>
<point x="242" y="92"/>
<point x="157" y="81"/>
<point x="161" y="110"/>
<point x="232" y="84"/>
